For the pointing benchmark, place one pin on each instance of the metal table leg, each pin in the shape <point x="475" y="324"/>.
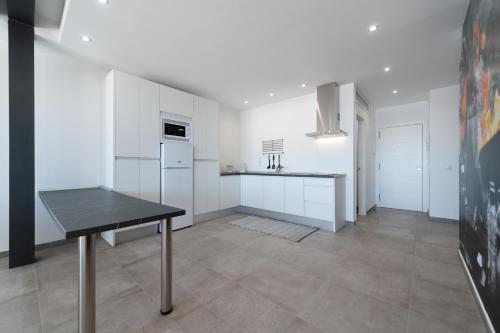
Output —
<point x="86" y="284"/>
<point x="166" y="266"/>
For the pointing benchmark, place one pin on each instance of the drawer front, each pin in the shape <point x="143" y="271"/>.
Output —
<point x="319" y="194"/>
<point x="319" y="211"/>
<point x="310" y="181"/>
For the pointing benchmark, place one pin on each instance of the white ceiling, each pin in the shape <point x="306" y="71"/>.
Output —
<point x="241" y="50"/>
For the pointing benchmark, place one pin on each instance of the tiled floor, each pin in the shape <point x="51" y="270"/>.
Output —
<point x="392" y="272"/>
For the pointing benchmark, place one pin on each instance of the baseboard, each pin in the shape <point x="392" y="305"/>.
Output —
<point x="482" y="310"/>
<point x="200" y="218"/>
<point x="442" y="220"/>
<point x="44" y="246"/>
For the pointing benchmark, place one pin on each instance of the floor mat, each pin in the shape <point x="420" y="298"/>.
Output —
<point x="286" y="230"/>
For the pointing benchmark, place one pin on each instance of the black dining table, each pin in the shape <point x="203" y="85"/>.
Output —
<point x="83" y="213"/>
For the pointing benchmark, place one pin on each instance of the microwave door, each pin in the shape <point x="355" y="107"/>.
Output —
<point x="175" y="130"/>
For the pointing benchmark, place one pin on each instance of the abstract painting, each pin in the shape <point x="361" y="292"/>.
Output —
<point x="480" y="151"/>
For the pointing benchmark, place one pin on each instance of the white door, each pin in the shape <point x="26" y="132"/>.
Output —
<point x="294" y="196"/>
<point x="178" y="192"/>
<point x="150" y="180"/>
<point x="401" y="167"/>
<point x="149" y="119"/>
<point x="206" y="129"/>
<point x="176" y="101"/>
<point x="251" y="191"/>
<point x="273" y="193"/>
<point x="127" y="177"/>
<point x="127" y="106"/>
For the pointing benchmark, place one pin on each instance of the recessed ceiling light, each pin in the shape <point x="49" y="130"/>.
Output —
<point x="394" y="91"/>
<point x="104" y="2"/>
<point x="271" y="94"/>
<point x="373" y="28"/>
<point x="387" y="69"/>
<point x="303" y="85"/>
<point x="246" y="102"/>
<point x="86" y="38"/>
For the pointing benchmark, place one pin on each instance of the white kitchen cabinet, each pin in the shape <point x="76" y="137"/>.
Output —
<point x="127" y="177"/>
<point x="230" y="191"/>
<point x="206" y="186"/>
<point x="150" y="180"/>
<point x="251" y="191"/>
<point x="176" y="101"/>
<point x="205" y="129"/>
<point x="273" y="193"/>
<point x="126" y="114"/>
<point x="294" y="196"/>
<point x="319" y="211"/>
<point x="149" y="120"/>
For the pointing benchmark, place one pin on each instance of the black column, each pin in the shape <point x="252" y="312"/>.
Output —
<point x="21" y="133"/>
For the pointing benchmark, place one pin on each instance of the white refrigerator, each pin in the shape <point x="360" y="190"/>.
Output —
<point x="177" y="180"/>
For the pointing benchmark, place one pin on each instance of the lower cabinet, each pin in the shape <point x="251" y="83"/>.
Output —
<point x="206" y="186"/>
<point x="127" y="177"/>
<point x="273" y="193"/>
<point x="230" y="191"/>
<point x="251" y="191"/>
<point x="294" y="196"/>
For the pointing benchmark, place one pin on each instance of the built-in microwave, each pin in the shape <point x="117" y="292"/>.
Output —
<point x="176" y="127"/>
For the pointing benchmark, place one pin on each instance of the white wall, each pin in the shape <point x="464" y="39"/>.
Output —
<point x="414" y="113"/>
<point x="67" y="131"/>
<point x="4" y="143"/>
<point x="229" y="137"/>
<point x="291" y="120"/>
<point x="444" y="152"/>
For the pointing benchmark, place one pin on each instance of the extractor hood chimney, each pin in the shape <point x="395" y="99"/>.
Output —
<point x="327" y="112"/>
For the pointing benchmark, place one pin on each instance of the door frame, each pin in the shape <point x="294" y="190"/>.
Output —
<point x="424" y="207"/>
<point x="360" y="131"/>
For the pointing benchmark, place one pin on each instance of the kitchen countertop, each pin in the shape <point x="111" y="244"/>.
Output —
<point x="80" y="212"/>
<point x="285" y="174"/>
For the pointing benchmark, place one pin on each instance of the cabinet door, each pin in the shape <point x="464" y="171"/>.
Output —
<point x="251" y="191"/>
<point x="200" y="188"/>
<point x="273" y="193"/>
<point x="212" y="185"/>
<point x="150" y="180"/>
<point x="199" y="130"/>
<point x="176" y="101"/>
<point x="149" y="120"/>
<point x="206" y="129"/>
<point x="230" y="191"/>
<point x="319" y="211"/>
<point x="212" y="131"/>
<point x="127" y="106"/>
<point x="127" y="177"/>
<point x="294" y="196"/>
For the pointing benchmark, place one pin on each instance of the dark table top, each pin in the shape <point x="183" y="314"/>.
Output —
<point x="80" y="212"/>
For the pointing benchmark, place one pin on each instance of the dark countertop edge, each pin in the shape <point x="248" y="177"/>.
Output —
<point x="117" y="226"/>
<point x="305" y="175"/>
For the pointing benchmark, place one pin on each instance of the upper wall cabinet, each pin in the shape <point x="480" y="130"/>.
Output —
<point x="176" y="101"/>
<point x="136" y="117"/>
<point x="206" y="129"/>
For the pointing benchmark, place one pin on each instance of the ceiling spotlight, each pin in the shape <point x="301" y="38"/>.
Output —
<point x="86" y="38"/>
<point x="271" y="94"/>
<point x="387" y="69"/>
<point x="303" y="85"/>
<point x="373" y="28"/>
<point x="394" y="92"/>
<point x="104" y="2"/>
<point x="246" y="102"/>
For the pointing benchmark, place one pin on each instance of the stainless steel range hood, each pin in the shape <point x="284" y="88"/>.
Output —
<point x="327" y="112"/>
